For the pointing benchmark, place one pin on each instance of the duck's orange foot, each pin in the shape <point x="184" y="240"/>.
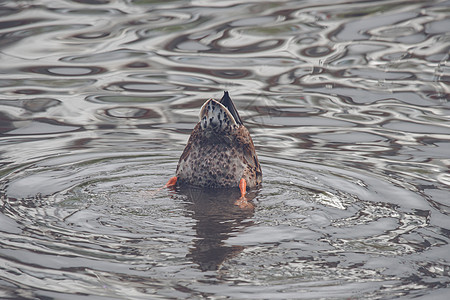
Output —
<point x="243" y="187"/>
<point x="242" y="202"/>
<point x="172" y="181"/>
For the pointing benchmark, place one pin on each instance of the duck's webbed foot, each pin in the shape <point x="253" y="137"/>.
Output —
<point x="172" y="181"/>
<point x="242" y="202"/>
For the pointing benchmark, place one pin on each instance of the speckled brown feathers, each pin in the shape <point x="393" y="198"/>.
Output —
<point x="220" y="151"/>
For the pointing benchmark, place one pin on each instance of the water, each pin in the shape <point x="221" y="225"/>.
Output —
<point x="348" y="106"/>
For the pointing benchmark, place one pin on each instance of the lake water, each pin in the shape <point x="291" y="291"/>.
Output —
<point x="348" y="106"/>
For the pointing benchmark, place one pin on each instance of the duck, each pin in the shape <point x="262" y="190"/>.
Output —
<point x="220" y="152"/>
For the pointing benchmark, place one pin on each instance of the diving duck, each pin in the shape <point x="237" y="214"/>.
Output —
<point x="220" y="152"/>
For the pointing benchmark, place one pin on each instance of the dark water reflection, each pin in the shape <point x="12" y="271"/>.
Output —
<point x="348" y="107"/>
<point x="217" y="218"/>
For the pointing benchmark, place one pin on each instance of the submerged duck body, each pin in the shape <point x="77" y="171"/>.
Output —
<point x="220" y="151"/>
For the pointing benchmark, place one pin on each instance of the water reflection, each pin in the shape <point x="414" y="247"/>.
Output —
<point x="65" y="71"/>
<point x="217" y="219"/>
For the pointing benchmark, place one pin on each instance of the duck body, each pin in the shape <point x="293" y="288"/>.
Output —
<point x="220" y="151"/>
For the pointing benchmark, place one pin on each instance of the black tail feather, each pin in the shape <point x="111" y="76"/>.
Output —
<point x="226" y="101"/>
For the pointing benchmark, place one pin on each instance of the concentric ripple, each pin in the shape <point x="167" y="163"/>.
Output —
<point x="101" y="219"/>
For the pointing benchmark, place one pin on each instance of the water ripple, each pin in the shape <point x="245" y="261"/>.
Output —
<point x="65" y="71"/>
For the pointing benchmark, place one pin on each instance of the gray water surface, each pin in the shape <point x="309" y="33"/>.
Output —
<point x="348" y="107"/>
